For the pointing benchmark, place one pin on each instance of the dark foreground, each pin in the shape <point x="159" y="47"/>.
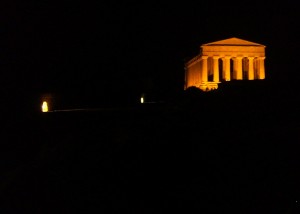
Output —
<point x="154" y="158"/>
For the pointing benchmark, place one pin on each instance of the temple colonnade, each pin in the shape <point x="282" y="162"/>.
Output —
<point x="225" y="60"/>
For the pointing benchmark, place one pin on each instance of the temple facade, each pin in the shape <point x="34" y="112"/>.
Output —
<point x="225" y="60"/>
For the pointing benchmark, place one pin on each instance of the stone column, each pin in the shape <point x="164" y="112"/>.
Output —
<point x="234" y="68"/>
<point x="255" y="68"/>
<point x="261" y="74"/>
<point x="204" y="68"/>
<point x="227" y="68"/>
<point x="216" y="68"/>
<point x="239" y="68"/>
<point x="251" y="68"/>
<point x="223" y="67"/>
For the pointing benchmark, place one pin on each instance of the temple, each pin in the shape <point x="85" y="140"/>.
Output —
<point x="225" y="60"/>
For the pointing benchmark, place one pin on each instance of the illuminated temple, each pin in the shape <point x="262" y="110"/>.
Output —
<point x="225" y="60"/>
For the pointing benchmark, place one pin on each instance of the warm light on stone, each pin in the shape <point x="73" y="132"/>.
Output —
<point x="45" y="107"/>
<point x="225" y="60"/>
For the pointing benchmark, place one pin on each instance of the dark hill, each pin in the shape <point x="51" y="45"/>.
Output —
<point x="233" y="150"/>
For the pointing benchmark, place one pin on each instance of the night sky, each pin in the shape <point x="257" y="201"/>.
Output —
<point x="103" y="48"/>
<point x="240" y="150"/>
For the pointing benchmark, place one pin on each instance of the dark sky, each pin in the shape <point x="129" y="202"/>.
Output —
<point x="95" y="49"/>
<point x="98" y="47"/>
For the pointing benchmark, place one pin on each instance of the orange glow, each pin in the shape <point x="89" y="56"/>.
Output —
<point x="225" y="60"/>
<point x="45" y="107"/>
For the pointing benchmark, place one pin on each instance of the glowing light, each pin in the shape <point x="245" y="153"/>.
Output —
<point x="142" y="99"/>
<point x="45" y="107"/>
<point x="222" y="61"/>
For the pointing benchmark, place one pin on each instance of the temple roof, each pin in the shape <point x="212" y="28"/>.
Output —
<point x="232" y="42"/>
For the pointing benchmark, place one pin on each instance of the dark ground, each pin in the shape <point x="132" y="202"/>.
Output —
<point x="234" y="151"/>
<point x="203" y="153"/>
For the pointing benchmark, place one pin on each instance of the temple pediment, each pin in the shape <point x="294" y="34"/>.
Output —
<point x="225" y="60"/>
<point x="233" y="42"/>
